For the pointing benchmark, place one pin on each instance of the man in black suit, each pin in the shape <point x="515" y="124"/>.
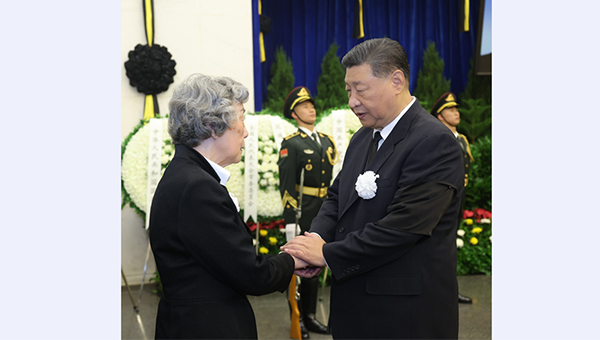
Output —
<point x="387" y="230"/>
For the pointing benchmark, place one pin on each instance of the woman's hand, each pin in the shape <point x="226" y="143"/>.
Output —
<point x="298" y="263"/>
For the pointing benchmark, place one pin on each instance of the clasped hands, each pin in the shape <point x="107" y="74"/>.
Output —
<point x="307" y="251"/>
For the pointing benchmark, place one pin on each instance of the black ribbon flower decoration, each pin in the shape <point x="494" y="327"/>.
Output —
<point x="150" y="68"/>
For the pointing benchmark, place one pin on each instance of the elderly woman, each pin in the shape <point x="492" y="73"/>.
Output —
<point x="203" y="249"/>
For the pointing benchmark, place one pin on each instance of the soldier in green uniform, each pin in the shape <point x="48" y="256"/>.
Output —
<point x="315" y="152"/>
<point x="446" y="110"/>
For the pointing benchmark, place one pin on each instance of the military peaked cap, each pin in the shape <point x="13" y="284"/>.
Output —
<point x="298" y="95"/>
<point x="447" y="100"/>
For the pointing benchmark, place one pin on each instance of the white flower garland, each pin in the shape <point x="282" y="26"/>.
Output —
<point x="134" y="168"/>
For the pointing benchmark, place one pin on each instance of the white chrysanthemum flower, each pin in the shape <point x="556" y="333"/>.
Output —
<point x="270" y="203"/>
<point x="460" y="232"/>
<point x="485" y="221"/>
<point x="366" y="186"/>
<point x="267" y="150"/>
<point x="460" y="243"/>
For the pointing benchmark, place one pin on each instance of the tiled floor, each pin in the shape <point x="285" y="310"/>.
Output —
<point x="272" y="313"/>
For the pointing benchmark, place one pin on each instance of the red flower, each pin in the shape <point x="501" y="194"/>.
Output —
<point x="266" y="225"/>
<point x="252" y="226"/>
<point x="467" y="214"/>
<point x="482" y="213"/>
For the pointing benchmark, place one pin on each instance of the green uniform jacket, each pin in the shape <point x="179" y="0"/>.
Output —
<point x="466" y="153"/>
<point x="299" y="151"/>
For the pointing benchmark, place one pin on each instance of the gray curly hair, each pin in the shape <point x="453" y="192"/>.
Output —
<point x="202" y="105"/>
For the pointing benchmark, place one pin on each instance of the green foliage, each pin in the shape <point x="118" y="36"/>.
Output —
<point x="330" y="87"/>
<point x="431" y="83"/>
<point x="479" y="189"/>
<point x="475" y="119"/>
<point x="476" y="106"/>
<point x="477" y="87"/>
<point x="282" y="81"/>
<point x="474" y="258"/>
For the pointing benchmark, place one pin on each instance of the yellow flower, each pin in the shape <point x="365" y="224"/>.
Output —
<point x="474" y="241"/>
<point x="263" y="250"/>
<point x="477" y="230"/>
<point x="264" y="232"/>
<point x="469" y="221"/>
<point x="273" y="240"/>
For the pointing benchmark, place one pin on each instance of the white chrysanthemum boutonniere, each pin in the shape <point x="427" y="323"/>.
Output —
<point x="235" y="201"/>
<point x="366" y="186"/>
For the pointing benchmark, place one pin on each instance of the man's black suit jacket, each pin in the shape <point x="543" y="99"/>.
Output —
<point x="205" y="257"/>
<point x="393" y="257"/>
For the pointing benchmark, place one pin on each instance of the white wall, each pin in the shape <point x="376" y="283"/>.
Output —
<point x="203" y="36"/>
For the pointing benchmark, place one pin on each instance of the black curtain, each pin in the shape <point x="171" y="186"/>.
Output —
<point x="306" y="29"/>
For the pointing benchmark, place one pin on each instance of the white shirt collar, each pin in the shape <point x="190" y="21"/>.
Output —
<point x="223" y="173"/>
<point x="307" y="131"/>
<point x="385" y="132"/>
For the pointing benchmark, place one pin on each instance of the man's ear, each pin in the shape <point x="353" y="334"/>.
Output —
<point x="398" y="80"/>
<point x="440" y="117"/>
<point x="294" y="115"/>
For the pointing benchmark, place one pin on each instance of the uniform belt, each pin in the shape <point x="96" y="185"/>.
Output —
<point x="317" y="192"/>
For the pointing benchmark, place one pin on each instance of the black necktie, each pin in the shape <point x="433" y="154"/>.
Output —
<point x="462" y="144"/>
<point x="373" y="148"/>
<point x="314" y="136"/>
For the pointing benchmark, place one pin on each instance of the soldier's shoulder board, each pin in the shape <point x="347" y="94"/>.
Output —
<point x="326" y="135"/>
<point x="292" y="135"/>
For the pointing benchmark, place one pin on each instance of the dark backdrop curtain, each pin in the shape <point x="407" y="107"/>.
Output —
<point x="306" y="29"/>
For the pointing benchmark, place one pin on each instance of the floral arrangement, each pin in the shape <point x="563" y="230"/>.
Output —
<point x="474" y="243"/>
<point x="271" y="235"/>
<point x="134" y="164"/>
